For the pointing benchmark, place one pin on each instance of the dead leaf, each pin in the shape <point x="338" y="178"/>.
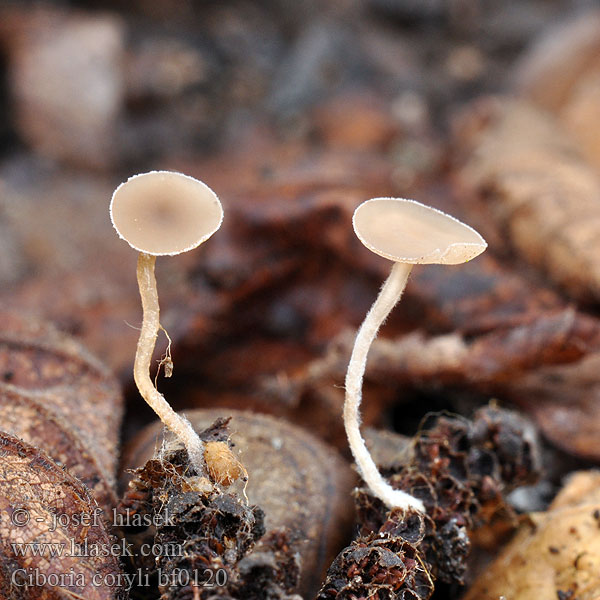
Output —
<point x="564" y="400"/>
<point x="555" y="555"/>
<point x="46" y="511"/>
<point x="491" y="359"/>
<point x="58" y="397"/>
<point x="558" y="58"/>
<point x="541" y="193"/>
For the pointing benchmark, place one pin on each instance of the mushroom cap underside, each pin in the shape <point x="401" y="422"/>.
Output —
<point x="408" y="231"/>
<point x="164" y="212"/>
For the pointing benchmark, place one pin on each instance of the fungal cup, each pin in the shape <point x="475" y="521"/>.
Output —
<point x="407" y="233"/>
<point x="163" y="213"/>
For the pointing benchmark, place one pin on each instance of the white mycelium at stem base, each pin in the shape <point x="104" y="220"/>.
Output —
<point x="141" y="371"/>
<point x="388" y="297"/>
<point x="408" y="233"/>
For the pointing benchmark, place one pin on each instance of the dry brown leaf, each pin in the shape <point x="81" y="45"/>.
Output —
<point x="555" y="338"/>
<point x="58" y="397"/>
<point x="42" y="506"/>
<point x="561" y="73"/>
<point x="492" y="358"/>
<point x="548" y="71"/>
<point x="541" y="192"/>
<point x="564" y="400"/>
<point x="581" y="117"/>
<point x="555" y="555"/>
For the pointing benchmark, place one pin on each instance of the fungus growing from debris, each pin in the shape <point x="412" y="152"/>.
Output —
<point x="163" y="213"/>
<point x="408" y="233"/>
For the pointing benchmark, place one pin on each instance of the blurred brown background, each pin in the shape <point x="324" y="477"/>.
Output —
<point x="294" y="113"/>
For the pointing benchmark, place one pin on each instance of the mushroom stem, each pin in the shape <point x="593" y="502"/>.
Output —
<point x="388" y="297"/>
<point x="180" y="426"/>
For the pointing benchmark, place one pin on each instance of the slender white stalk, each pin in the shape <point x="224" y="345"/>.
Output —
<point x="388" y="297"/>
<point x="180" y="426"/>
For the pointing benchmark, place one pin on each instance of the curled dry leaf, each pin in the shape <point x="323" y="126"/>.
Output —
<point x="580" y="116"/>
<point x="565" y="403"/>
<point x="492" y="358"/>
<point x="540" y="191"/>
<point x="58" y="397"/>
<point x="554" y="555"/>
<point x="561" y="73"/>
<point x="300" y="484"/>
<point x="555" y="338"/>
<point x="29" y="419"/>
<point x="547" y="73"/>
<point x="60" y="413"/>
<point x="481" y="296"/>
<point x="44" y="510"/>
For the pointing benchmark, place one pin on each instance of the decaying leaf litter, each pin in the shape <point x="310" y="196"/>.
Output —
<point x="264" y="319"/>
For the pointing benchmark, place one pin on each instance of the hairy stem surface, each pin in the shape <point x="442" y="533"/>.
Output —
<point x="141" y="371"/>
<point x="388" y="297"/>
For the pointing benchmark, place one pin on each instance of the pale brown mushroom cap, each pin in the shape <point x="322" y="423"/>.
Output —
<point x="410" y="232"/>
<point x="165" y="213"/>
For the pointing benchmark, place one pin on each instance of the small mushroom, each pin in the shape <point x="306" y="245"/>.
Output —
<point x="408" y="233"/>
<point x="163" y="213"/>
